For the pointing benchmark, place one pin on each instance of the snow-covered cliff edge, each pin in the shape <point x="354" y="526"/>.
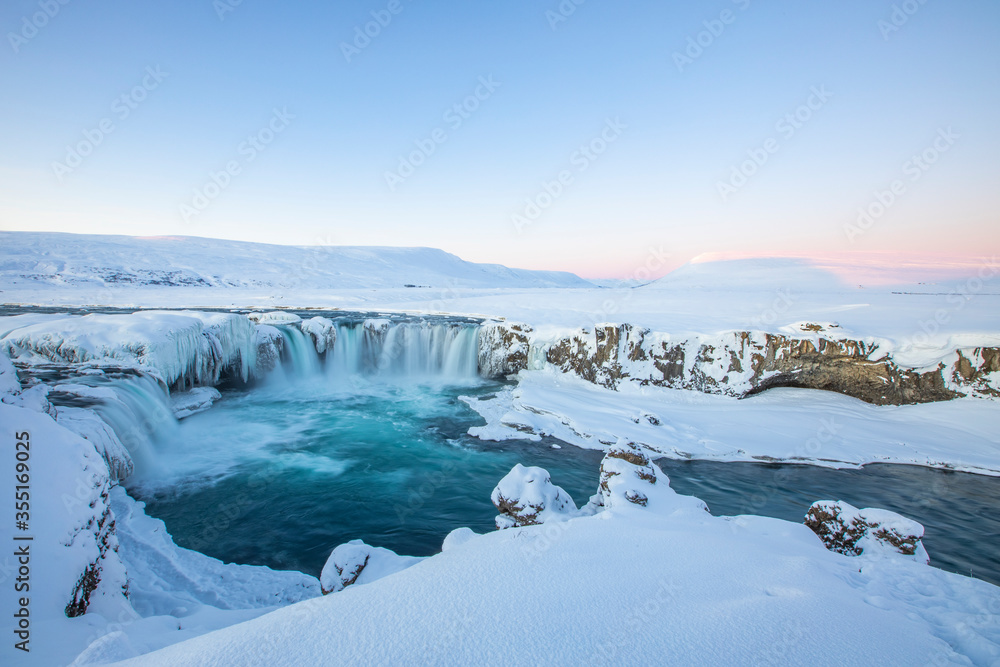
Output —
<point x="741" y="363"/>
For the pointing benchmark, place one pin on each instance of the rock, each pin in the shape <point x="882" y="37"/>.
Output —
<point x="322" y="331"/>
<point x="846" y="529"/>
<point x="344" y="566"/>
<point x="269" y="344"/>
<point x="503" y="348"/>
<point x="978" y="370"/>
<point x="526" y="496"/>
<point x="742" y="363"/>
<point x="359" y="563"/>
<point x="626" y="474"/>
<point x="840" y="530"/>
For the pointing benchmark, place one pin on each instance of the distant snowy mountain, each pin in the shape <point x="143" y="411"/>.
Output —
<point x="832" y="272"/>
<point x="750" y="275"/>
<point x="33" y="259"/>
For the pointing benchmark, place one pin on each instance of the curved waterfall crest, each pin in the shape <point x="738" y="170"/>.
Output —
<point x="383" y="347"/>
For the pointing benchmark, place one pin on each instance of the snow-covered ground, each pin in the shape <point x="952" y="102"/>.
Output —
<point x="662" y="583"/>
<point x="791" y="425"/>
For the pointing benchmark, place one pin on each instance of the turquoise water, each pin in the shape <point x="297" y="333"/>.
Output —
<point x="282" y="474"/>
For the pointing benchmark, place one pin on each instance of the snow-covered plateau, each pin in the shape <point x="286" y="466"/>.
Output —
<point x="106" y="341"/>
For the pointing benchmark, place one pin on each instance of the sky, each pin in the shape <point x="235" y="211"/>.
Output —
<point x="599" y="137"/>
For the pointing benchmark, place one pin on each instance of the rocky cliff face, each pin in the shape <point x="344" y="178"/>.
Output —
<point x="503" y="348"/>
<point x="740" y="363"/>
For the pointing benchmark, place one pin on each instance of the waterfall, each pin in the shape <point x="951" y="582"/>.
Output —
<point x="298" y="352"/>
<point x="141" y="415"/>
<point x="406" y="349"/>
<point x="135" y="407"/>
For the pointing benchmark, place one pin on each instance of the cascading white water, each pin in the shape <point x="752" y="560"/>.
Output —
<point x="300" y="351"/>
<point x="136" y="407"/>
<point x="409" y="349"/>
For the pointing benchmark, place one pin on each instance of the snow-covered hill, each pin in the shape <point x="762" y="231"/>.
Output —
<point x="30" y="260"/>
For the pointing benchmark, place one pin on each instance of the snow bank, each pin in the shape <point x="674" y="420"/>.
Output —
<point x="457" y="538"/>
<point x="174" y="594"/>
<point x="792" y="425"/>
<point x="73" y="555"/>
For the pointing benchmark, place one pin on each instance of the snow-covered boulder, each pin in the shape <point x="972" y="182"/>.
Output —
<point x="360" y="563"/>
<point x="191" y="402"/>
<point x="526" y="496"/>
<point x="269" y="343"/>
<point x="626" y="474"/>
<point x="630" y="480"/>
<point x="851" y="531"/>
<point x="322" y="331"/>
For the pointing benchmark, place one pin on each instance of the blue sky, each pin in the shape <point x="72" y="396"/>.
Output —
<point x="311" y="133"/>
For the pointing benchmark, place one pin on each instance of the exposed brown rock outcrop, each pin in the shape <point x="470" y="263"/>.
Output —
<point x="742" y="363"/>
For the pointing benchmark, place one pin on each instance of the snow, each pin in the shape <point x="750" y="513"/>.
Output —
<point x="356" y="563"/>
<point x="88" y="424"/>
<point x="69" y="483"/>
<point x="108" y="265"/>
<point x="9" y="384"/>
<point x="870" y="531"/>
<point x="791" y="425"/>
<point x="527" y="496"/>
<point x="323" y="332"/>
<point x="193" y="401"/>
<point x="456" y="538"/>
<point x="638" y="585"/>
<point x="640" y="574"/>
<point x="164" y="577"/>
<point x="175" y="345"/>
<point x="274" y="317"/>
